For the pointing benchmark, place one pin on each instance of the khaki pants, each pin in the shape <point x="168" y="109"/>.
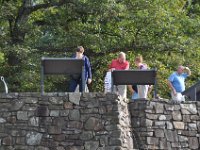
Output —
<point x="142" y="91"/>
<point x="178" y="97"/>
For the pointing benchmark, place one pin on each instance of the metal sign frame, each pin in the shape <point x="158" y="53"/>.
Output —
<point x="137" y="77"/>
<point x="193" y="92"/>
<point x="61" y="66"/>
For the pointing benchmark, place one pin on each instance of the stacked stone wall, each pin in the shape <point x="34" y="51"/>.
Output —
<point x="95" y="121"/>
<point x="64" y="121"/>
<point x="165" y="125"/>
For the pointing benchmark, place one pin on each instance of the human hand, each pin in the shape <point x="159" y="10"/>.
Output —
<point x="187" y="68"/>
<point x="174" y="92"/>
<point x="112" y="69"/>
<point x="89" y="81"/>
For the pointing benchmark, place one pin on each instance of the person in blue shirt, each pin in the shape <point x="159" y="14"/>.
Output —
<point x="76" y="78"/>
<point x="134" y="91"/>
<point x="176" y="82"/>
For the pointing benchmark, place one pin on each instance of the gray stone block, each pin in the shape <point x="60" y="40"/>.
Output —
<point x="192" y="126"/>
<point x="54" y="113"/>
<point x="64" y="113"/>
<point x="152" y="141"/>
<point x="2" y="120"/>
<point x="159" y="133"/>
<point x="91" y="145"/>
<point x="152" y="116"/>
<point x="56" y="100"/>
<point x="171" y="135"/>
<point x="34" y="121"/>
<point x="159" y="107"/>
<point x="33" y="138"/>
<point x="115" y="142"/>
<point x="41" y="148"/>
<point x="93" y="124"/>
<point x="20" y="140"/>
<point x="22" y="115"/>
<point x="182" y="138"/>
<point x="193" y="143"/>
<point x="188" y="108"/>
<point x="68" y="105"/>
<point x="16" y="105"/>
<point x="163" y="143"/>
<point x="162" y="117"/>
<point x="54" y="130"/>
<point x="175" y="145"/>
<point x="179" y="125"/>
<point x="160" y="124"/>
<point x="75" y="125"/>
<point x="177" y="115"/>
<point x="86" y="135"/>
<point x="74" y="98"/>
<point x="74" y="115"/>
<point x="186" y="118"/>
<point x="169" y="125"/>
<point x="7" y="141"/>
<point x="42" y="111"/>
<point x="30" y="100"/>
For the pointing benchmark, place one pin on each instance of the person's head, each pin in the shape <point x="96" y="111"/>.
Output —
<point x="80" y="50"/>
<point x="138" y="60"/>
<point x="122" y="57"/>
<point x="180" y="69"/>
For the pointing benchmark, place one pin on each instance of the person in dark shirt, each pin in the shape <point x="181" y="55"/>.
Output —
<point x="76" y="78"/>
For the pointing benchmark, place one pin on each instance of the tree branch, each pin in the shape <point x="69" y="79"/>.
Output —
<point x="47" y="5"/>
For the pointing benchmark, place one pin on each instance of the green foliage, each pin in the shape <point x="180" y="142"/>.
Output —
<point x="166" y="33"/>
<point x="2" y="59"/>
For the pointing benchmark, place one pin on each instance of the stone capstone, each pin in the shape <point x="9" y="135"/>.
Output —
<point x="74" y="98"/>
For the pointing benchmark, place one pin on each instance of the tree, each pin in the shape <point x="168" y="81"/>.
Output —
<point x="166" y="33"/>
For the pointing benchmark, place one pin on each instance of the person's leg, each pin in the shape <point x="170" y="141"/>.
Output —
<point x="145" y="90"/>
<point x="174" y="97"/>
<point x="72" y="85"/>
<point x="139" y="91"/>
<point x="135" y="96"/>
<point x="180" y="97"/>
<point x="80" y="86"/>
<point x="142" y="91"/>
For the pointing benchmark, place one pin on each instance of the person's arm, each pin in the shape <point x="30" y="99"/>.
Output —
<point x="150" y="89"/>
<point x="130" y="89"/>
<point x="111" y="67"/>
<point x="171" y="87"/>
<point x="89" y="70"/>
<point x="187" y="70"/>
<point x="127" y="66"/>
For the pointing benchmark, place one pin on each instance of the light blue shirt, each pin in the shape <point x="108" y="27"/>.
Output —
<point x="178" y="81"/>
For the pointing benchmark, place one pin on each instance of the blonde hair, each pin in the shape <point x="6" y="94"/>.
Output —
<point x="80" y="49"/>
<point x="122" y="54"/>
<point x="139" y="59"/>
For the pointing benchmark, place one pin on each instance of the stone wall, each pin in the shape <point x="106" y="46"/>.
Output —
<point x="95" y="121"/>
<point x="62" y="121"/>
<point x="165" y="125"/>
